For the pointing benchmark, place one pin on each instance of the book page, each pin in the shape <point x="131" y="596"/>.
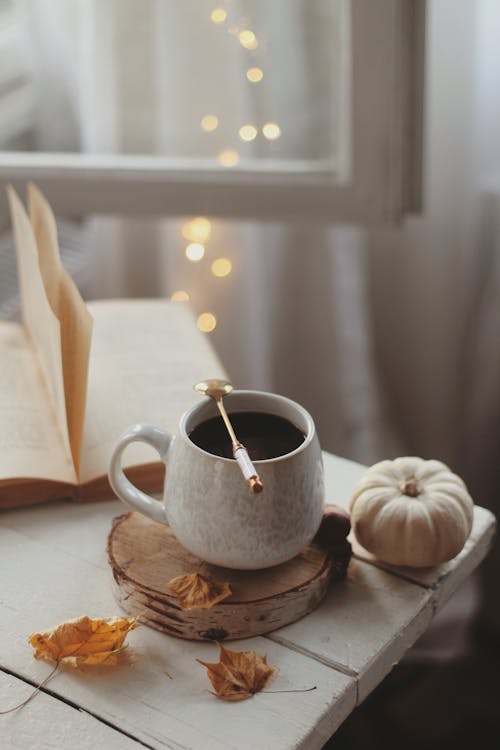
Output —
<point x="39" y="319"/>
<point x="146" y="355"/>
<point x="71" y="311"/>
<point x="30" y="441"/>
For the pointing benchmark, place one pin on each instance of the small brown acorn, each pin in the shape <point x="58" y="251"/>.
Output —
<point x="334" y="528"/>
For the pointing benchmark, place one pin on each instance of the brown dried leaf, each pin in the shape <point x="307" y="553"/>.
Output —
<point x="83" y="641"/>
<point x="239" y="674"/>
<point x="194" y="591"/>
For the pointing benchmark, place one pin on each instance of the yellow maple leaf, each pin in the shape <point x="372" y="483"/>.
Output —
<point x="194" y="591"/>
<point x="83" y="641"/>
<point x="239" y="674"/>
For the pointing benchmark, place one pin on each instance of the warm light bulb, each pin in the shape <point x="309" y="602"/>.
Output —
<point x="197" y="230"/>
<point x="209" y="123"/>
<point x="218" y="15"/>
<point x="195" y="252"/>
<point x="206" y="322"/>
<point x="271" y="131"/>
<point x="229" y="158"/>
<point x="248" y="40"/>
<point x="221" y="267"/>
<point x="179" y="296"/>
<point x="248" y="132"/>
<point x="255" y="75"/>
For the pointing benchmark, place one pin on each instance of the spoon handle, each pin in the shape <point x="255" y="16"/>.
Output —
<point x="247" y="469"/>
<point x="241" y="455"/>
<point x="227" y="423"/>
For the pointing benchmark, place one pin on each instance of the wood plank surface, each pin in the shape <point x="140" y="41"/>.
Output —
<point x="160" y="694"/>
<point x="48" y="723"/>
<point x="55" y="568"/>
<point x="364" y="625"/>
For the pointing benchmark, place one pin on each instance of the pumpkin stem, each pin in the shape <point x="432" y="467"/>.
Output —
<point x="410" y="487"/>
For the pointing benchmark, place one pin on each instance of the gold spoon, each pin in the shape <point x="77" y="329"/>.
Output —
<point x="216" y="389"/>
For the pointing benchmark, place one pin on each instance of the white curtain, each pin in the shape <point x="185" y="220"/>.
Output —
<point x="390" y="337"/>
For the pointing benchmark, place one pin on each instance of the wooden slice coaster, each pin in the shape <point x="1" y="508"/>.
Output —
<point x="145" y="556"/>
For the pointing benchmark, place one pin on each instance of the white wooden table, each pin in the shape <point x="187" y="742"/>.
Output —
<point x="54" y="567"/>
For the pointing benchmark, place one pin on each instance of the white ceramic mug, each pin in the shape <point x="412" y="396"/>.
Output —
<point x="207" y="502"/>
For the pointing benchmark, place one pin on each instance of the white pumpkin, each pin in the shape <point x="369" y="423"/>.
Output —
<point x="411" y="512"/>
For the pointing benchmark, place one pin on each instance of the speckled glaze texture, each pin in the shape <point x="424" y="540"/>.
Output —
<point x="210" y="508"/>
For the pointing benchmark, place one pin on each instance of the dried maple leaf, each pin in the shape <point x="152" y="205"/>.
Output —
<point x="197" y="592"/>
<point x="239" y="674"/>
<point x="83" y="641"/>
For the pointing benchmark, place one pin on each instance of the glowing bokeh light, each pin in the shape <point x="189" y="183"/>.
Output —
<point x="179" y="296"/>
<point x="271" y="131"/>
<point x="255" y="75"/>
<point x="206" y="322"/>
<point x="229" y="158"/>
<point x="218" y="15"/>
<point x="197" y="230"/>
<point x="221" y="267"/>
<point x="195" y="252"/>
<point x="209" y="123"/>
<point x="248" y="132"/>
<point x="248" y="40"/>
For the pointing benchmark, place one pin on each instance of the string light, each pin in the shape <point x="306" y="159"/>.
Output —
<point x="179" y="296"/>
<point x="248" y="132"/>
<point x="247" y="39"/>
<point x="195" y="252"/>
<point x="229" y="158"/>
<point x="218" y="15"/>
<point x="255" y="75"/>
<point x="221" y="267"/>
<point x="206" y="322"/>
<point x="197" y="230"/>
<point x="271" y="131"/>
<point x="209" y="123"/>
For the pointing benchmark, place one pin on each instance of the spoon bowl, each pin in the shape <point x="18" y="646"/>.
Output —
<point x="216" y="389"/>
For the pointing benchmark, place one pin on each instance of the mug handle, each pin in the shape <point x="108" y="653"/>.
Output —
<point x="127" y="492"/>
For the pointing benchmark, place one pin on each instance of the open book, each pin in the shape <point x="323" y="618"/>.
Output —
<point x="74" y="376"/>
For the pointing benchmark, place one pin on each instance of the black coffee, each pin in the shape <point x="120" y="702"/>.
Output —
<point x="263" y="435"/>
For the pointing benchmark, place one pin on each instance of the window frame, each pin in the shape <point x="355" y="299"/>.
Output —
<point x="384" y="160"/>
